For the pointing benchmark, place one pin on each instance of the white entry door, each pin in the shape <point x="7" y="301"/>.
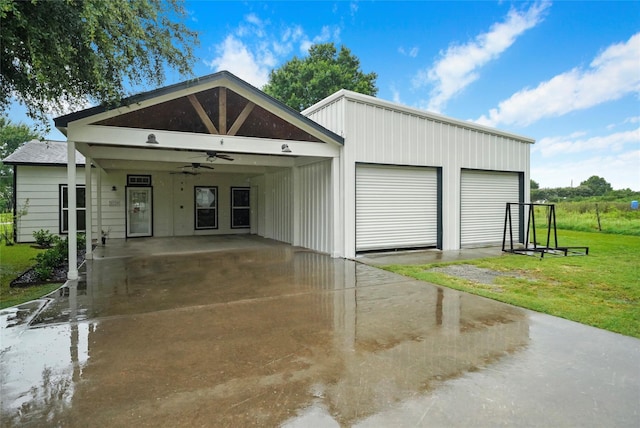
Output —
<point x="139" y="212"/>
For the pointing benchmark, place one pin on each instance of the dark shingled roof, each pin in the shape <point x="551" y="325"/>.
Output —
<point x="37" y="152"/>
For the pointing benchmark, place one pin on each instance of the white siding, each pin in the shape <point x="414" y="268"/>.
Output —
<point x="396" y="207"/>
<point x="278" y="204"/>
<point x="315" y="206"/>
<point x="41" y="187"/>
<point x="379" y="132"/>
<point x="484" y="195"/>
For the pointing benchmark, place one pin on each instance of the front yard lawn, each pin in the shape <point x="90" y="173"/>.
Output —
<point x="601" y="289"/>
<point x="14" y="260"/>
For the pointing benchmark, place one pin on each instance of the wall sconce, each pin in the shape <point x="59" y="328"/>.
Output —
<point x="113" y="188"/>
<point x="151" y="139"/>
<point x="285" y="148"/>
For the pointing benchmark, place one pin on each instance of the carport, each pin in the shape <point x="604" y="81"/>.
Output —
<point x="209" y="156"/>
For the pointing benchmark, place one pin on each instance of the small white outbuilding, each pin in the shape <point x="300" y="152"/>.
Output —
<point x="215" y="155"/>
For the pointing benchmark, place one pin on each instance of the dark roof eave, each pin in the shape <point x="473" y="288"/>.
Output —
<point x="61" y="122"/>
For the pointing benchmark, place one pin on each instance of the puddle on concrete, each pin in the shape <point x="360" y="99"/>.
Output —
<point x="246" y="338"/>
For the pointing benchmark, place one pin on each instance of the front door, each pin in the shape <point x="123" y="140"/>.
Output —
<point x="139" y="212"/>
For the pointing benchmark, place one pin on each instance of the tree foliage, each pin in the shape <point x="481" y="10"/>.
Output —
<point x="300" y="83"/>
<point x="68" y="53"/>
<point x="534" y="184"/>
<point x="12" y="136"/>
<point x="598" y="185"/>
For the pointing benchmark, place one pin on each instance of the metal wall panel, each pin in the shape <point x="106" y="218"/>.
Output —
<point x="483" y="198"/>
<point x="278" y="206"/>
<point x="396" y="207"/>
<point x="315" y="206"/>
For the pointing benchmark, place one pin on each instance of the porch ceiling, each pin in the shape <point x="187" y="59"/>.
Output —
<point x="172" y="160"/>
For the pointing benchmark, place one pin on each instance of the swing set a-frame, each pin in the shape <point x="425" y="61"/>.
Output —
<point x="534" y="247"/>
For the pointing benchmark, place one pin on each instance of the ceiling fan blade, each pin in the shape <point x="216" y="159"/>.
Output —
<point x="206" y="167"/>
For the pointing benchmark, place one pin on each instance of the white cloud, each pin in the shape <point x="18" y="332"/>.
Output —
<point x="235" y="56"/>
<point x="253" y="49"/>
<point x="458" y="65"/>
<point x="610" y="76"/>
<point x="327" y="33"/>
<point x="412" y="52"/>
<point x="613" y="143"/>
<point x="620" y="170"/>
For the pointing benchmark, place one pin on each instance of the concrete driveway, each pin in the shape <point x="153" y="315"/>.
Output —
<point x="264" y="334"/>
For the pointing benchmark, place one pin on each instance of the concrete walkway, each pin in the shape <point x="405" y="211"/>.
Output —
<point x="271" y="335"/>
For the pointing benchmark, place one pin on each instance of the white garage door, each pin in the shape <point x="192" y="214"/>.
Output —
<point x="396" y="207"/>
<point x="484" y="195"/>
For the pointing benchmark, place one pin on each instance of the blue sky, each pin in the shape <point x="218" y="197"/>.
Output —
<point x="564" y="73"/>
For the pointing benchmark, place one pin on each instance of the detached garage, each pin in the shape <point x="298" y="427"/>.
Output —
<point x="414" y="179"/>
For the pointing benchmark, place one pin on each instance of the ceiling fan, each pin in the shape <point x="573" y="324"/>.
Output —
<point x="192" y="169"/>
<point x="212" y="156"/>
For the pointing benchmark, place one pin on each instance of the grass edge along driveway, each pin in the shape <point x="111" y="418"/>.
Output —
<point x="601" y="289"/>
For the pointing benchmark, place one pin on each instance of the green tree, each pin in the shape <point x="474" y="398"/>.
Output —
<point x="598" y="185"/>
<point x="300" y="83"/>
<point x="77" y="51"/>
<point x="533" y="184"/>
<point x="12" y="136"/>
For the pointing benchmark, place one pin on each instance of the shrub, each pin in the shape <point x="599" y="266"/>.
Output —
<point x="43" y="272"/>
<point x="43" y="238"/>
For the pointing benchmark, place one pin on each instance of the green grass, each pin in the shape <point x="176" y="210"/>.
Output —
<point x="601" y="289"/>
<point x="615" y="217"/>
<point x="14" y="260"/>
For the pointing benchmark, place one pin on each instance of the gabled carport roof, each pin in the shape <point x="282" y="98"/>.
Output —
<point x="283" y="111"/>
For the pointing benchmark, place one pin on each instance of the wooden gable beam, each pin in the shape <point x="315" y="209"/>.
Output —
<point x="202" y="114"/>
<point x="244" y="114"/>
<point x="223" y="110"/>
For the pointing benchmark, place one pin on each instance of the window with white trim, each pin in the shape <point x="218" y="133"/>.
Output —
<point x="206" y="207"/>
<point x="240" y="207"/>
<point x="64" y="208"/>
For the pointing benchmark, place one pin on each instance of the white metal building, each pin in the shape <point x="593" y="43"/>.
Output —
<point x="415" y="179"/>
<point x="352" y="173"/>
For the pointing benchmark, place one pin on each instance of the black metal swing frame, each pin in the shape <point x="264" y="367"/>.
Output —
<point x="534" y="248"/>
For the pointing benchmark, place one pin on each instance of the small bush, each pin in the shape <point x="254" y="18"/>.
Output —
<point x="52" y="258"/>
<point x="43" y="238"/>
<point x="43" y="272"/>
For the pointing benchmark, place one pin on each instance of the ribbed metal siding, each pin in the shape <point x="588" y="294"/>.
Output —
<point x="315" y="206"/>
<point x="396" y="207"/>
<point x="279" y="206"/>
<point x="483" y="199"/>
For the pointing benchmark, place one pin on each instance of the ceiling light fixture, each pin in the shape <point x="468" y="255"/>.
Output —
<point x="151" y="139"/>
<point x="285" y="148"/>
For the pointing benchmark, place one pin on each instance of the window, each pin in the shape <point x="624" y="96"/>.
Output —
<point x="240" y="208"/>
<point x="206" y="200"/>
<point x="139" y="180"/>
<point x="64" y="208"/>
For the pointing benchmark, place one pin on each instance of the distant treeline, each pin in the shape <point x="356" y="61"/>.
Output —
<point x="583" y="193"/>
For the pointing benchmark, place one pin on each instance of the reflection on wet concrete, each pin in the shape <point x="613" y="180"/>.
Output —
<point x="283" y="336"/>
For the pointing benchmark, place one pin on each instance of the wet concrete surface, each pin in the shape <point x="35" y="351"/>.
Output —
<point x="271" y="335"/>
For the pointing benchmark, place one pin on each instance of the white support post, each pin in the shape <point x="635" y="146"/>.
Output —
<point x="295" y="173"/>
<point x="72" y="274"/>
<point x="99" y="202"/>
<point x="337" y="223"/>
<point x="88" y="203"/>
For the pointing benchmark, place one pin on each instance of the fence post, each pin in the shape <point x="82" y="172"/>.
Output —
<point x="598" y="215"/>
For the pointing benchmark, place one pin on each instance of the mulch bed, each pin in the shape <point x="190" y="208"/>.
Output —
<point x="29" y="278"/>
